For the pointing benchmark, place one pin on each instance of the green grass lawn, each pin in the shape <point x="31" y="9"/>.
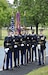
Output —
<point x="40" y="71"/>
<point x="45" y="32"/>
<point x="1" y="42"/>
<point x="4" y="33"/>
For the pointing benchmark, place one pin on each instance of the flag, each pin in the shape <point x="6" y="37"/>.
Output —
<point x="18" y="21"/>
<point x="12" y="27"/>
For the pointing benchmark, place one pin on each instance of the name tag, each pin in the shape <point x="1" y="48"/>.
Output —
<point x="6" y="50"/>
<point x="15" y="46"/>
<point x="22" y="44"/>
<point x="39" y="46"/>
<point x="32" y="46"/>
<point x="27" y="44"/>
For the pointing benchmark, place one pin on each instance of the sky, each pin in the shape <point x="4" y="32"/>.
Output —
<point x="11" y="1"/>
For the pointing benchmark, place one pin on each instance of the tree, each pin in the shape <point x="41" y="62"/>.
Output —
<point x="36" y="11"/>
<point x="5" y="14"/>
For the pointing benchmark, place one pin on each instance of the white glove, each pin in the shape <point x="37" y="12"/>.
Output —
<point x="6" y="50"/>
<point x="15" y="46"/>
<point x="32" y="46"/>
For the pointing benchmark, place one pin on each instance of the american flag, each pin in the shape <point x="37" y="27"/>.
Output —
<point x="12" y="24"/>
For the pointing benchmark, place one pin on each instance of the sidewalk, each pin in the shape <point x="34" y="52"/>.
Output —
<point x="22" y="70"/>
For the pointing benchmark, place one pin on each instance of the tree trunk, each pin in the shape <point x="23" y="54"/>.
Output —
<point x="37" y="28"/>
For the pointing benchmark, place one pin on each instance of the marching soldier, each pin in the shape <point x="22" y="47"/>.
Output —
<point x="41" y="47"/>
<point x="8" y="49"/>
<point x="34" y="44"/>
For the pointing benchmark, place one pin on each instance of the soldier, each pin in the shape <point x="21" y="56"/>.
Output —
<point x="13" y="42"/>
<point x="18" y="41"/>
<point x="34" y="44"/>
<point x="28" y="47"/>
<point x="23" y="48"/>
<point x="8" y="49"/>
<point x="16" y="49"/>
<point x="41" y="47"/>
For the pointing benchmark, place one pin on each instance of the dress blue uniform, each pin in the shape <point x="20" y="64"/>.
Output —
<point x="34" y="44"/>
<point x="41" y="41"/>
<point x="15" y="49"/>
<point x="8" y="50"/>
<point x="23" y="49"/>
<point x="28" y="46"/>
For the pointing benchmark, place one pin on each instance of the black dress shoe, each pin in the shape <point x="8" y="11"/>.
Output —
<point x="36" y="60"/>
<point x="39" y="63"/>
<point x="11" y="69"/>
<point x="43" y="64"/>
<point x="15" y="66"/>
<point x="18" y="65"/>
<point x="7" y="69"/>
<point x="3" y="67"/>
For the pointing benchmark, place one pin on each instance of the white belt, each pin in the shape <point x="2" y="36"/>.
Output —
<point x="22" y="44"/>
<point x="15" y="46"/>
<point x="32" y="46"/>
<point x="27" y="44"/>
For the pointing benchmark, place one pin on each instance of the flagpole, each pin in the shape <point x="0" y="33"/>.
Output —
<point x="24" y="18"/>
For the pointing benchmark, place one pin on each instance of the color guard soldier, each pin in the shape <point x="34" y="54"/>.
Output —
<point x="34" y="44"/>
<point x="41" y="47"/>
<point x="28" y="47"/>
<point x="23" y="48"/>
<point x="15" y="49"/>
<point x="8" y="49"/>
<point x="18" y="41"/>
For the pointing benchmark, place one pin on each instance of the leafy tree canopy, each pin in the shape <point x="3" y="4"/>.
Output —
<point x="5" y="13"/>
<point x="36" y="11"/>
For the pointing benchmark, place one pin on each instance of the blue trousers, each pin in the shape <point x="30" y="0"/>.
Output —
<point x="29" y="50"/>
<point x="23" y="51"/>
<point x="9" y="56"/>
<point x="41" y="52"/>
<point x="34" y="50"/>
<point x="16" y="55"/>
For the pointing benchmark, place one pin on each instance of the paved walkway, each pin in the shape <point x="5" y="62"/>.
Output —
<point x="22" y="70"/>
